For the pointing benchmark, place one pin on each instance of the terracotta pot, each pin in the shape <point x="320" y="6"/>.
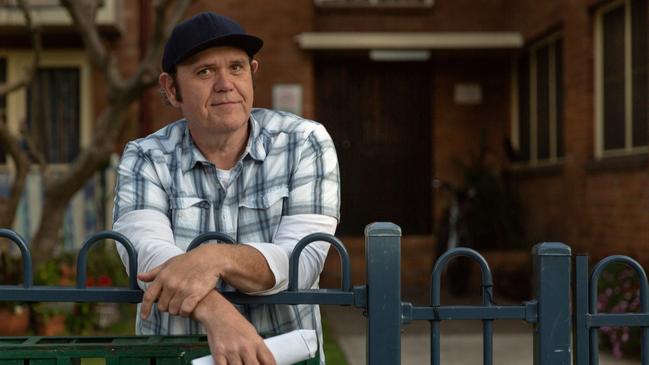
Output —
<point x="14" y="322"/>
<point x="52" y="326"/>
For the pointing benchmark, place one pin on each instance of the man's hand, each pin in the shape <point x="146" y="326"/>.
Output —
<point x="232" y="339"/>
<point x="180" y="283"/>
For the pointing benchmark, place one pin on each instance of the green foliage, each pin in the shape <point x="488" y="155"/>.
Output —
<point x="493" y="215"/>
<point x="45" y="311"/>
<point x="59" y="270"/>
<point x="333" y="354"/>
<point x="104" y="268"/>
<point x="83" y="319"/>
<point x="11" y="273"/>
<point x="103" y="261"/>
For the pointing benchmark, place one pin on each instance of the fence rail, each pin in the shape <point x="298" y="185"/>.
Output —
<point x="549" y="311"/>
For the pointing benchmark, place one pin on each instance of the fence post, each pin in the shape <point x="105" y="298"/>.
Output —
<point x="552" y="333"/>
<point x="582" y="331"/>
<point x="383" y="274"/>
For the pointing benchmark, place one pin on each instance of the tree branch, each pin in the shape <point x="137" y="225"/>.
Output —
<point x="32" y="147"/>
<point x="11" y="143"/>
<point x="147" y="74"/>
<point x="83" y="14"/>
<point x="30" y="70"/>
<point x="9" y="205"/>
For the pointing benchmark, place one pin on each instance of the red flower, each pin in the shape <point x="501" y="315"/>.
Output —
<point x="105" y="280"/>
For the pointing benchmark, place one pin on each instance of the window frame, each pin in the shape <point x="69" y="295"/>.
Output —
<point x="553" y="144"/>
<point x="16" y="102"/>
<point x="374" y="3"/>
<point x="628" y="149"/>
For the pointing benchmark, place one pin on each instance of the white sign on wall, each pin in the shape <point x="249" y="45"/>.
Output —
<point x="288" y="98"/>
<point x="467" y="94"/>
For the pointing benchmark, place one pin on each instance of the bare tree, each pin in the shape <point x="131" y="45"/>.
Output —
<point x="11" y="142"/>
<point x="122" y="92"/>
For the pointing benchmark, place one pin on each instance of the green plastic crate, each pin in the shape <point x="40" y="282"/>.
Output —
<point x="133" y="350"/>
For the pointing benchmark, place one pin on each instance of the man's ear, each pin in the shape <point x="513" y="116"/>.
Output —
<point x="254" y="66"/>
<point x="168" y="87"/>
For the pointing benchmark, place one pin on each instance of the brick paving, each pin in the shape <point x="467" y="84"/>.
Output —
<point x="461" y="342"/>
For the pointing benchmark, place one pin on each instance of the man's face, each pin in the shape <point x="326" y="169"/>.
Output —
<point x="217" y="90"/>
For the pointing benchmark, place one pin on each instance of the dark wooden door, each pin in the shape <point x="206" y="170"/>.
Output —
<point x="379" y="116"/>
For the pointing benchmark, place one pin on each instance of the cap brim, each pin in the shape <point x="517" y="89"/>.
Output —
<point x="250" y="44"/>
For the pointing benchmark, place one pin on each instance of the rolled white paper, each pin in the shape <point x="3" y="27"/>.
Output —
<point x="288" y="348"/>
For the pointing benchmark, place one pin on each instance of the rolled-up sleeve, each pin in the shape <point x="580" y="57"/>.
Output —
<point x="150" y="233"/>
<point x="291" y="230"/>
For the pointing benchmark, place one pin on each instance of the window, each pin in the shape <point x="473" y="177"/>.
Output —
<point x="59" y="99"/>
<point x="537" y="132"/>
<point x="53" y="106"/>
<point x="621" y="78"/>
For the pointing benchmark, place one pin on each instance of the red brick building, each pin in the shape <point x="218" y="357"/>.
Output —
<point x="406" y="86"/>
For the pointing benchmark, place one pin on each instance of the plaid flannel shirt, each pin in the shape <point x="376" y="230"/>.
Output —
<point x="289" y="167"/>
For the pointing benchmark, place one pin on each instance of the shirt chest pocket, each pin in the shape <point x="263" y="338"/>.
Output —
<point x="259" y="215"/>
<point x="189" y="217"/>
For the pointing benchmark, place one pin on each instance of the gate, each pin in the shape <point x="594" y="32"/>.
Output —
<point x="549" y="311"/>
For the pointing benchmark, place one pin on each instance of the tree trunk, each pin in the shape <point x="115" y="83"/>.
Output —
<point x="47" y="236"/>
<point x="59" y="190"/>
<point x="9" y="205"/>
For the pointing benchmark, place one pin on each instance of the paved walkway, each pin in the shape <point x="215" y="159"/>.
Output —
<point x="461" y="342"/>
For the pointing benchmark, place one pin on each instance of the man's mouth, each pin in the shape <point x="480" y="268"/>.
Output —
<point x="224" y="103"/>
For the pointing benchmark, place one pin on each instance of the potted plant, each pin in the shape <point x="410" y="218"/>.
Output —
<point x="51" y="317"/>
<point x="14" y="316"/>
<point x="105" y="270"/>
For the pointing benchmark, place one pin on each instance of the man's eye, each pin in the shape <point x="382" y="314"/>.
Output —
<point x="204" y="72"/>
<point x="237" y="67"/>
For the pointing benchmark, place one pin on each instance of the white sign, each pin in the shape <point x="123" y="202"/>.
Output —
<point x="288" y="98"/>
<point x="467" y="94"/>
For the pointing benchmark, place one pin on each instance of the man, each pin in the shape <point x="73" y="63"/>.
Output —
<point x="263" y="177"/>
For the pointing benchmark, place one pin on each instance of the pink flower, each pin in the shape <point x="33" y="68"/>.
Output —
<point x="617" y="351"/>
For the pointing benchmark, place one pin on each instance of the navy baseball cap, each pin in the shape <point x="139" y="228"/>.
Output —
<point x="203" y="31"/>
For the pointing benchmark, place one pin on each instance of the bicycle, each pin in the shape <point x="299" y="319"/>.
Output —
<point x="453" y="231"/>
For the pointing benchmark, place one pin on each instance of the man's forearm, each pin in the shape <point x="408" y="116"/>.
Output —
<point x="214" y="304"/>
<point x="231" y="337"/>
<point x="243" y="267"/>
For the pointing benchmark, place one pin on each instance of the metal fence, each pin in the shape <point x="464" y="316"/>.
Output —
<point x="555" y="340"/>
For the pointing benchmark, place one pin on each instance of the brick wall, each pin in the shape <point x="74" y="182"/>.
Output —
<point x="603" y="211"/>
<point x="458" y="15"/>
<point x="457" y="128"/>
<point x="127" y="53"/>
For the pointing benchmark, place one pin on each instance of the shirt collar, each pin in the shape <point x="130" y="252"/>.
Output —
<point x="255" y="147"/>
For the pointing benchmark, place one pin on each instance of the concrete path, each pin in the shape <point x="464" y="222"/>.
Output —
<point x="461" y="342"/>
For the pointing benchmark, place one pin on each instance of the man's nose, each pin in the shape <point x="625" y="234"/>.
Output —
<point x="223" y="82"/>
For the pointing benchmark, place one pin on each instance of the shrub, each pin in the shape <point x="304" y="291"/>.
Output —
<point x="619" y="292"/>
